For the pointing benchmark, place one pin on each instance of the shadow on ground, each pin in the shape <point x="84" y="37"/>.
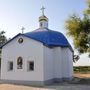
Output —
<point x="75" y="84"/>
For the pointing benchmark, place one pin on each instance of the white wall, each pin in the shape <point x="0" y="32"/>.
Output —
<point x="70" y="54"/>
<point x="67" y="62"/>
<point x="48" y="63"/>
<point x="58" y="63"/>
<point x="58" y="66"/>
<point x="29" y="50"/>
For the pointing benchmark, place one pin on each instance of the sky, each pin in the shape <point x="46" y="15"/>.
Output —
<point x="17" y="13"/>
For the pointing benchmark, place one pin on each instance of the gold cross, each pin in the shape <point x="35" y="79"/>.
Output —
<point x="42" y="10"/>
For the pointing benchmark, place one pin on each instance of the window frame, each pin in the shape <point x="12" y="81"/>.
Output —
<point x="19" y="66"/>
<point x="20" y="40"/>
<point x="41" y="24"/>
<point x="28" y="66"/>
<point x="10" y="68"/>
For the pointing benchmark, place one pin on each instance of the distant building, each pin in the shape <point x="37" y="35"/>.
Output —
<point x="37" y="58"/>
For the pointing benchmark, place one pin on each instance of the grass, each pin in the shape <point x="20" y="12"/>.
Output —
<point x="81" y="69"/>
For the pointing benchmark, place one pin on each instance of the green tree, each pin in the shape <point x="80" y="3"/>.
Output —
<point x="79" y="29"/>
<point x="3" y="40"/>
<point x="87" y="10"/>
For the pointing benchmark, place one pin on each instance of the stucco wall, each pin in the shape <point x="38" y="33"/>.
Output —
<point x="48" y="63"/>
<point x="58" y="66"/>
<point x="58" y="63"/>
<point x="30" y="50"/>
<point x="67" y="62"/>
<point x="70" y="54"/>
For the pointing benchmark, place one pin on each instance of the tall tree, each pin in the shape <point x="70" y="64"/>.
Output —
<point x="79" y="29"/>
<point x="87" y="10"/>
<point x="3" y="39"/>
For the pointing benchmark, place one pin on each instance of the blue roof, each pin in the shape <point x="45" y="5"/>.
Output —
<point x="49" y="37"/>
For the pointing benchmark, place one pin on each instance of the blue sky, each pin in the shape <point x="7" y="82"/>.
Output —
<point x="17" y="13"/>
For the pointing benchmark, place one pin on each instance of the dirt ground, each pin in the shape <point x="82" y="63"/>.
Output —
<point x="79" y="75"/>
<point x="80" y="82"/>
<point x="52" y="87"/>
<point x="18" y="87"/>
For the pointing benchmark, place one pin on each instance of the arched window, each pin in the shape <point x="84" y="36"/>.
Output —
<point x="41" y="24"/>
<point x="19" y="63"/>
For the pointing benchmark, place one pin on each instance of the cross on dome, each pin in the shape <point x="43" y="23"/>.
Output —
<point x="22" y="29"/>
<point x="43" y="20"/>
<point x="42" y="10"/>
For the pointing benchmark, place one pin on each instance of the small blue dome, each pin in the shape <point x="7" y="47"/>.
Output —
<point x="49" y="37"/>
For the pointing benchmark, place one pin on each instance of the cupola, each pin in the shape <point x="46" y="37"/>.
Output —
<point x="43" y="20"/>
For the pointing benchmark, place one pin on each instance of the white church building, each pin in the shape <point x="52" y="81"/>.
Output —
<point x="40" y="57"/>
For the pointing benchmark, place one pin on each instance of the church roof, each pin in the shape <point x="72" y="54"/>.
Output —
<point x="48" y="37"/>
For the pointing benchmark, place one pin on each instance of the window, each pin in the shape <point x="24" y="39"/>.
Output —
<point x="30" y="66"/>
<point x="10" y="66"/>
<point x="20" y="40"/>
<point x="19" y="63"/>
<point x="41" y="24"/>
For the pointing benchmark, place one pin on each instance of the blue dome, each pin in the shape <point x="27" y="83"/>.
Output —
<point x="49" y="37"/>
